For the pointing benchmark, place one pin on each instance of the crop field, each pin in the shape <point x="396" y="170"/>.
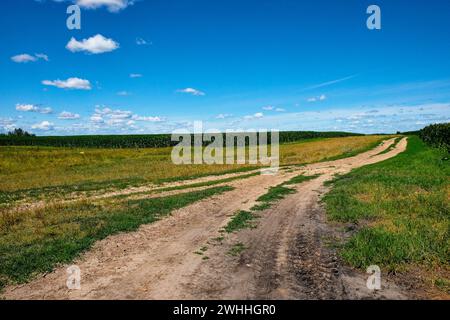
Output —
<point x="41" y="171"/>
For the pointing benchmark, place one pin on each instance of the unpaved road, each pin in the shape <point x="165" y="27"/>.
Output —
<point x="286" y="256"/>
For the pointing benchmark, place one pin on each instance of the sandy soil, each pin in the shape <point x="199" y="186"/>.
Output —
<point x="286" y="256"/>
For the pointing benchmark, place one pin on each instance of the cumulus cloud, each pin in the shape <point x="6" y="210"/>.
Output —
<point x="111" y="5"/>
<point x="7" y="124"/>
<point x="257" y="115"/>
<point x="94" y="45"/>
<point x="33" y="108"/>
<point x="25" y="57"/>
<point x="191" y="91"/>
<point x="71" y="83"/>
<point x="135" y="75"/>
<point x="280" y="110"/>
<point x="268" y="108"/>
<point x="66" y="115"/>
<point x="123" y="93"/>
<point x="111" y="117"/>
<point x="44" y="125"/>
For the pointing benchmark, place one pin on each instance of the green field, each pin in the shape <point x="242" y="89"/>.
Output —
<point x="401" y="210"/>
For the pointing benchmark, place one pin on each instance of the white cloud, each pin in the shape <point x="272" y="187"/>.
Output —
<point x="148" y="119"/>
<point x="280" y="110"/>
<point x="25" y="57"/>
<point x="32" y="108"/>
<point x="123" y="93"/>
<point x="26" y="107"/>
<point x="65" y="115"/>
<point x="95" y="45"/>
<point x="111" y="5"/>
<point x="268" y="108"/>
<point x="192" y="91"/>
<point x="135" y="75"/>
<point x="97" y="118"/>
<point x="42" y="56"/>
<point x="44" y="125"/>
<point x="71" y="83"/>
<point x="7" y="124"/>
<point x="319" y="98"/>
<point x="223" y="116"/>
<point x="116" y="118"/>
<point x="257" y="115"/>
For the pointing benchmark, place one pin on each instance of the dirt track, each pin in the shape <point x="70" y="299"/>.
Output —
<point x="286" y="256"/>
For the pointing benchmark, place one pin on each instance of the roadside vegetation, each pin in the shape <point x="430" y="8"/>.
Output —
<point x="401" y="211"/>
<point x="34" y="241"/>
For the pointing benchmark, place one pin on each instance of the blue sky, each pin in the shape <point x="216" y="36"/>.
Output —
<point x="152" y="66"/>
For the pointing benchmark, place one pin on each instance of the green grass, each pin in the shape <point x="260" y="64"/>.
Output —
<point x="279" y="192"/>
<point x="392" y="147"/>
<point x="241" y="220"/>
<point x="402" y="208"/>
<point x="237" y="249"/>
<point x="35" y="241"/>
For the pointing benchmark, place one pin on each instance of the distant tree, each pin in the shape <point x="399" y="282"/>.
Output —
<point x="18" y="132"/>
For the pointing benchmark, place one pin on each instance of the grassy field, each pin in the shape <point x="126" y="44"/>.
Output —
<point x="36" y="172"/>
<point x="34" y="240"/>
<point x="402" y="210"/>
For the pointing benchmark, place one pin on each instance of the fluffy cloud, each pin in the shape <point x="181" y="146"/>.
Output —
<point x="111" y="5"/>
<point x="71" y="83"/>
<point x="32" y="108"/>
<point x="123" y="93"/>
<point x="192" y="91"/>
<point x="65" y="115"/>
<point x="268" y="108"/>
<point x="95" y="45"/>
<point x="25" y="57"/>
<point x="44" y="125"/>
<point x="135" y="75"/>
<point x="117" y="117"/>
<point x="257" y="115"/>
<point x="7" y="124"/>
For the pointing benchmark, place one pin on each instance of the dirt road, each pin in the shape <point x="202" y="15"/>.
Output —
<point x="286" y="256"/>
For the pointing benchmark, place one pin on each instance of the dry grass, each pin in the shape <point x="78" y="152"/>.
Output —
<point x="25" y="168"/>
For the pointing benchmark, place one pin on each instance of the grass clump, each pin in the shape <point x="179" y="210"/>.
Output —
<point x="241" y="220"/>
<point x="237" y="249"/>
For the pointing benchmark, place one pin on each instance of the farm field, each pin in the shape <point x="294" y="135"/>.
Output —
<point x="36" y="238"/>
<point x="39" y="172"/>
